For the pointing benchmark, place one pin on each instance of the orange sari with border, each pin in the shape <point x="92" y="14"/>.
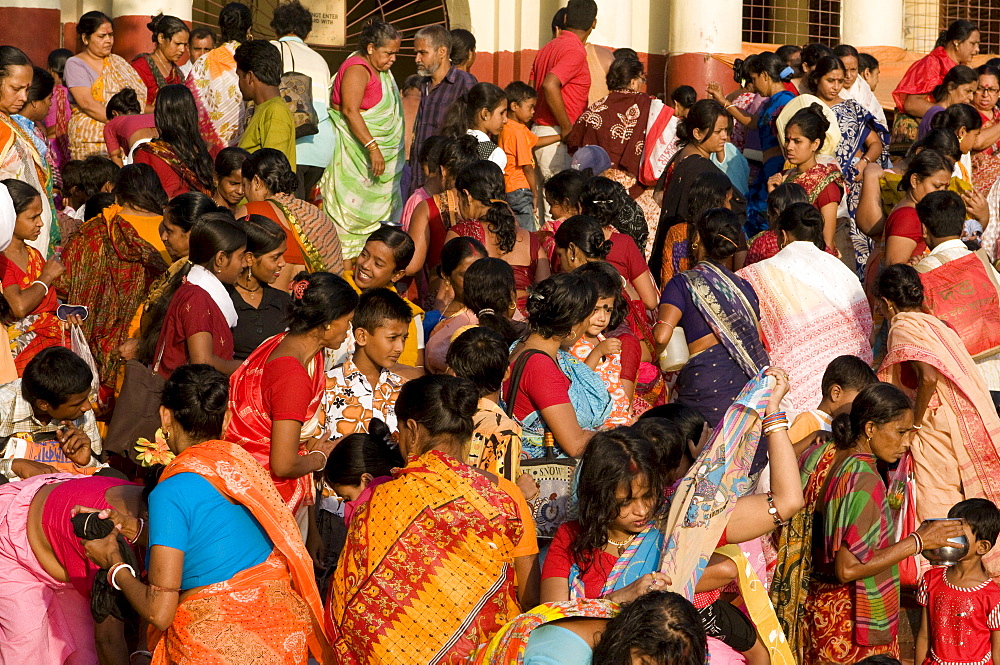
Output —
<point x="271" y="612"/>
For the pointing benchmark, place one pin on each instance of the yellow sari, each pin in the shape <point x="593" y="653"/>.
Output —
<point x="86" y="135"/>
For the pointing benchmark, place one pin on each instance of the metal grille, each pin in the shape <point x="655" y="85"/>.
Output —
<point x="923" y="21"/>
<point x="984" y="13"/>
<point x="408" y="16"/>
<point x="791" y="21"/>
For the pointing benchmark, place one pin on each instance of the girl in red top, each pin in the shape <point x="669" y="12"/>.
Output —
<point x="929" y="171"/>
<point x="824" y="183"/>
<point x="196" y="327"/>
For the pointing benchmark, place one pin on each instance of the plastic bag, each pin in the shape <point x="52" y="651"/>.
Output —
<point x="79" y="346"/>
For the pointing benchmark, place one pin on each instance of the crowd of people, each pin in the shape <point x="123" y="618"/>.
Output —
<point x="591" y="376"/>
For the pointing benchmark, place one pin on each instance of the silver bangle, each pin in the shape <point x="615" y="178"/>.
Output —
<point x="38" y="281"/>
<point x="325" y="458"/>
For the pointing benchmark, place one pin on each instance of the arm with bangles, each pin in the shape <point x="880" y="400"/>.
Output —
<point x="352" y="91"/>
<point x="285" y="442"/>
<point x="758" y="514"/>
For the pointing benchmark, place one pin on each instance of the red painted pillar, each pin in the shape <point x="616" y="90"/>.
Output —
<point x="32" y="26"/>
<point x="132" y="37"/>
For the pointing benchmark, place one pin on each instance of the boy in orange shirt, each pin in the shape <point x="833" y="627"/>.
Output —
<point x="518" y="142"/>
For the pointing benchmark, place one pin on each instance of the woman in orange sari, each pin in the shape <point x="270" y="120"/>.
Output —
<point x="22" y="272"/>
<point x="93" y="77"/>
<point x="19" y="158"/>
<point x="440" y="557"/>
<point x="228" y="572"/>
<point x="276" y="392"/>
<point x="113" y="261"/>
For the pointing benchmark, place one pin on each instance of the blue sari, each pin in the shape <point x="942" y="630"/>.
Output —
<point x="587" y="393"/>
<point x="757" y="199"/>
<point x="641" y="557"/>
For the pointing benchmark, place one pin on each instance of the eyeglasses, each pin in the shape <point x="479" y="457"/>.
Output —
<point x="988" y="91"/>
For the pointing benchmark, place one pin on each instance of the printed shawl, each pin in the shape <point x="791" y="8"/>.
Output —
<point x="961" y="390"/>
<point x="812" y="309"/>
<point x="109" y="268"/>
<point x="355" y="200"/>
<point x="221" y="111"/>
<point x="856" y="516"/>
<point x="642" y="556"/>
<point x="706" y="496"/>
<point x="163" y="151"/>
<point x="278" y="587"/>
<point x="508" y="645"/>
<point x="426" y="575"/>
<point x="856" y="124"/>
<point x="315" y="233"/>
<point x="793" y="569"/>
<point x="86" y="135"/>
<point x="250" y="426"/>
<point x="616" y="123"/>
<point x="729" y="314"/>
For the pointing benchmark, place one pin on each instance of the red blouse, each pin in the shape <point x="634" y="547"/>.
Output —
<point x="146" y="74"/>
<point x="192" y="311"/>
<point x="905" y="223"/>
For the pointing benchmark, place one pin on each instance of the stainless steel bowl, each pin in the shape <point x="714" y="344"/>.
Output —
<point x="947" y="556"/>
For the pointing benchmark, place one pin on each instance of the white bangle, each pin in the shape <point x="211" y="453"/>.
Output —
<point x="121" y="566"/>
<point x="325" y="458"/>
<point x="38" y="281"/>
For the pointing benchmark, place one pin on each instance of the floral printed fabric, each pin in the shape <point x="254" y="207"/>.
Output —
<point x="350" y="401"/>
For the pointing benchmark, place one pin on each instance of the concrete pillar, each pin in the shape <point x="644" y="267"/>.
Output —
<point x="131" y="16"/>
<point x="696" y="30"/>
<point x="32" y="26"/>
<point x="867" y="23"/>
<point x="921" y="24"/>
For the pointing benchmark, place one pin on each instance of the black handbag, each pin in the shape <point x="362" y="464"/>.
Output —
<point x="554" y="475"/>
<point x="137" y="409"/>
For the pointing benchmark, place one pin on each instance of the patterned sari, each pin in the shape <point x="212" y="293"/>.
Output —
<point x="642" y="556"/>
<point x="920" y="79"/>
<point x="59" y="115"/>
<point x="250" y="426"/>
<point x="955" y="453"/>
<point x="272" y="610"/>
<point x="793" y="571"/>
<point x="426" y="575"/>
<point x="315" y="233"/>
<point x="222" y="114"/>
<point x="357" y="201"/>
<point x="849" y="622"/>
<point x="816" y="179"/>
<point x="40" y="329"/>
<point x="986" y="163"/>
<point x="165" y="153"/>
<point x="812" y="309"/>
<point x="508" y="645"/>
<point x="109" y="268"/>
<point x="21" y="160"/>
<point x="610" y="371"/>
<point x="856" y="124"/>
<point x="86" y="135"/>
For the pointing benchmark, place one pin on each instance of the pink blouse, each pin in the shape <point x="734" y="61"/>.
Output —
<point x="373" y="91"/>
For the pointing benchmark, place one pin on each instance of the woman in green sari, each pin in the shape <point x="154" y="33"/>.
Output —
<point x="361" y="186"/>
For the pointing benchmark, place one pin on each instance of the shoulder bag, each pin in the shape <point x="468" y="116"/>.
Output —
<point x="296" y="90"/>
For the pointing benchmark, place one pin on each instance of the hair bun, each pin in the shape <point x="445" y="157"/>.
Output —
<point x="843" y="436"/>
<point x="461" y="398"/>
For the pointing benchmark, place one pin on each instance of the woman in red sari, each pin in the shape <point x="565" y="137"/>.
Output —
<point x="26" y="277"/>
<point x="490" y="220"/>
<point x="956" y="46"/>
<point x="276" y="392"/>
<point x="179" y="156"/>
<point x="159" y="68"/>
<point x="228" y="573"/>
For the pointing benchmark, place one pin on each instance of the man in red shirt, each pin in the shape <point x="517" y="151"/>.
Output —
<point x="562" y="77"/>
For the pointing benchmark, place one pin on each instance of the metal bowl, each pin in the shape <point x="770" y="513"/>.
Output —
<point x="947" y="556"/>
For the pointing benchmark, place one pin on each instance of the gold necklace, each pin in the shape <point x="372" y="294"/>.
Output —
<point x="622" y="546"/>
